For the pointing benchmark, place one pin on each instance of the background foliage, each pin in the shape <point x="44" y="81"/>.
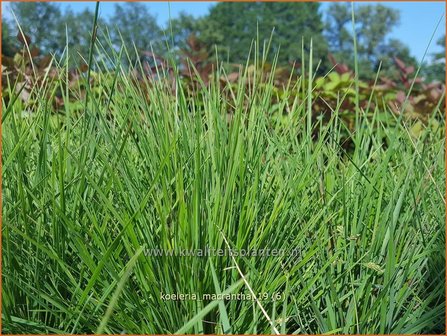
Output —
<point x="232" y="33"/>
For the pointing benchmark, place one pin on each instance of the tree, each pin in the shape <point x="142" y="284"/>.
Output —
<point x="39" y="20"/>
<point x="233" y="26"/>
<point x="134" y="25"/>
<point x="338" y="35"/>
<point x="180" y="28"/>
<point x="49" y="28"/>
<point x="435" y="71"/>
<point x="373" y="23"/>
<point x="77" y="27"/>
<point x="9" y="44"/>
<point x="440" y="56"/>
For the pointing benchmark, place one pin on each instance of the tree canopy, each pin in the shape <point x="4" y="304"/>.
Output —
<point x="373" y="24"/>
<point x="291" y="23"/>
<point x="134" y="25"/>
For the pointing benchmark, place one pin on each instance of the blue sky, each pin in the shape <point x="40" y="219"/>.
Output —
<point x="417" y="24"/>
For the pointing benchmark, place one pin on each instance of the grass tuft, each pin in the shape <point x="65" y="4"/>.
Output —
<point x="87" y="195"/>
